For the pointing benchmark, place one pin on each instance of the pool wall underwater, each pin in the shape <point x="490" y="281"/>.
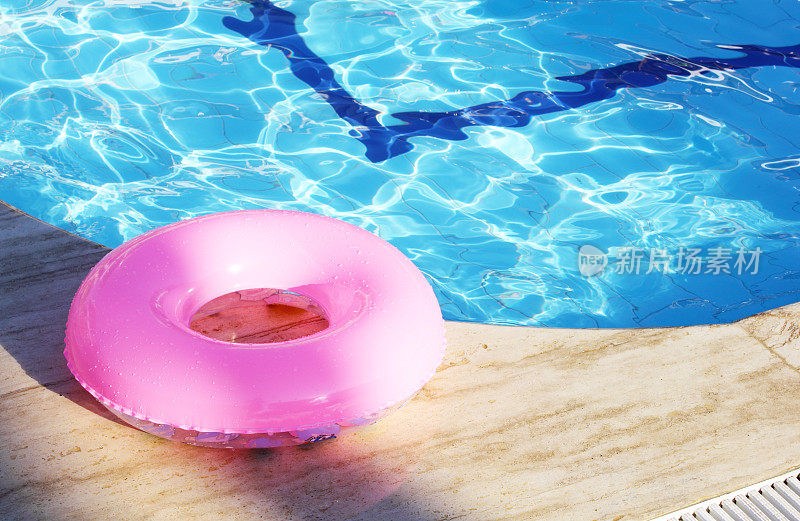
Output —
<point x="561" y="164"/>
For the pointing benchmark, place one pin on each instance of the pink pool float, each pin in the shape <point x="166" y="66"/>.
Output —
<point x="129" y="341"/>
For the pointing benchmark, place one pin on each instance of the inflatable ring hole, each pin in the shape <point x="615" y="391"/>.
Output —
<point x="259" y="316"/>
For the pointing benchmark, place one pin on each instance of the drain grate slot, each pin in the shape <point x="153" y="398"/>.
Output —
<point x="777" y="499"/>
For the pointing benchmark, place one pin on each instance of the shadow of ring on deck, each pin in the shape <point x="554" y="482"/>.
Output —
<point x="41" y="268"/>
<point x="349" y="479"/>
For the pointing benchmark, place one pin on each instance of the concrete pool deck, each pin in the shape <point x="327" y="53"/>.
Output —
<point x="517" y="424"/>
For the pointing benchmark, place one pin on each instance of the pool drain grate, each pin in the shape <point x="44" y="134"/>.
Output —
<point x="777" y="499"/>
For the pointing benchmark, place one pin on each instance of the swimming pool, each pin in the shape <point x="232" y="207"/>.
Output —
<point x="570" y="164"/>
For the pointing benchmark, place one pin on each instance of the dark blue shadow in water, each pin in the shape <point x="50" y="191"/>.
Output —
<point x="275" y="28"/>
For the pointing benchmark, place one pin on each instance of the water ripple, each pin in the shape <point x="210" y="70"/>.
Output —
<point x="117" y="117"/>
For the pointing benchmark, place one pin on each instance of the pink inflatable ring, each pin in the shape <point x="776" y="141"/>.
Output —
<point x="128" y="340"/>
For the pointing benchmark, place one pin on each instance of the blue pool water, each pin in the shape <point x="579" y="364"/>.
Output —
<point x="491" y="141"/>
